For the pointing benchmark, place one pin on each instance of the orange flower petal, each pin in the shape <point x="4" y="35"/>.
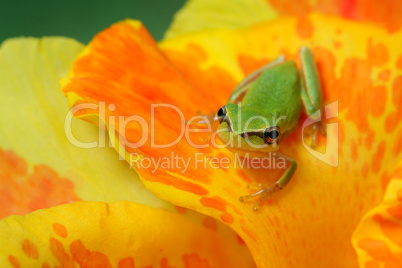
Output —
<point x="378" y="238"/>
<point x="314" y="217"/>
<point x="122" y="234"/>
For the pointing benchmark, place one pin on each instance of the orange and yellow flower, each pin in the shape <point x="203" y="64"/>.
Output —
<point x="342" y="216"/>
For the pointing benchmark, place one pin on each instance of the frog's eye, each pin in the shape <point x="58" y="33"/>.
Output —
<point x="271" y="134"/>
<point x="221" y="114"/>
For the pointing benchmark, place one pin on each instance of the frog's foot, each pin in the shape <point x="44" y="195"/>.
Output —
<point x="315" y="127"/>
<point x="269" y="191"/>
<point x="262" y="194"/>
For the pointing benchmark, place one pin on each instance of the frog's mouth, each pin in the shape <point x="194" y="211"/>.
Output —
<point x="227" y="121"/>
<point x="246" y="135"/>
<point x="253" y="151"/>
<point x="244" y="142"/>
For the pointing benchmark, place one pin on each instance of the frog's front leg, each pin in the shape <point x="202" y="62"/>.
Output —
<point x="277" y="186"/>
<point x="310" y="89"/>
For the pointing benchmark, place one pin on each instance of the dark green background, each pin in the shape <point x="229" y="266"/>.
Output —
<point x="81" y="19"/>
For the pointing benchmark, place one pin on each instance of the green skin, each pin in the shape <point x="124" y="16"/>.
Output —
<point x="270" y="99"/>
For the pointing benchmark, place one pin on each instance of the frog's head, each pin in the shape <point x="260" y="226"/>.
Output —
<point x="244" y="129"/>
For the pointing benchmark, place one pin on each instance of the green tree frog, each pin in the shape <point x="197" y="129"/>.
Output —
<point x="265" y="108"/>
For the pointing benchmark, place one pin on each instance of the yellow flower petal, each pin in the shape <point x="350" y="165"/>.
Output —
<point x="122" y="234"/>
<point x="40" y="167"/>
<point x="310" y="223"/>
<point x="199" y="15"/>
<point x="378" y="238"/>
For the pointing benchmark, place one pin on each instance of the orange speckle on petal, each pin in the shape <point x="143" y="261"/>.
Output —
<point x="46" y="189"/>
<point x="227" y="217"/>
<point x="195" y="261"/>
<point x="365" y="170"/>
<point x="398" y="144"/>
<point x="377" y="54"/>
<point x="213" y="203"/>
<point x="126" y="263"/>
<point x="354" y="149"/>
<point x="394" y="118"/>
<point x="14" y="261"/>
<point x="87" y="258"/>
<point x="60" y="230"/>
<point x="337" y="44"/>
<point x="45" y="265"/>
<point x="392" y="121"/>
<point x="291" y="7"/>
<point x="378" y="105"/>
<point x="399" y="63"/>
<point x="384" y="75"/>
<point x="210" y="223"/>
<point x="378" y="156"/>
<point x="243" y="175"/>
<point x="369" y="139"/>
<point x="385" y="179"/>
<point x="30" y="250"/>
<point x="397" y="91"/>
<point x="60" y="254"/>
<point x="164" y="263"/>
<point x="249" y="233"/>
<point x="304" y="27"/>
<point x="181" y="210"/>
<point x="276" y="222"/>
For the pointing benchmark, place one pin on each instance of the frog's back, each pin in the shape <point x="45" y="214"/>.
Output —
<point x="277" y="93"/>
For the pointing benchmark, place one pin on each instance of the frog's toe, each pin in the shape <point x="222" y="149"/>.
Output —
<point x="257" y="206"/>
<point x="313" y="144"/>
<point x="257" y="186"/>
<point x="246" y="197"/>
<point x="314" y="129"/>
